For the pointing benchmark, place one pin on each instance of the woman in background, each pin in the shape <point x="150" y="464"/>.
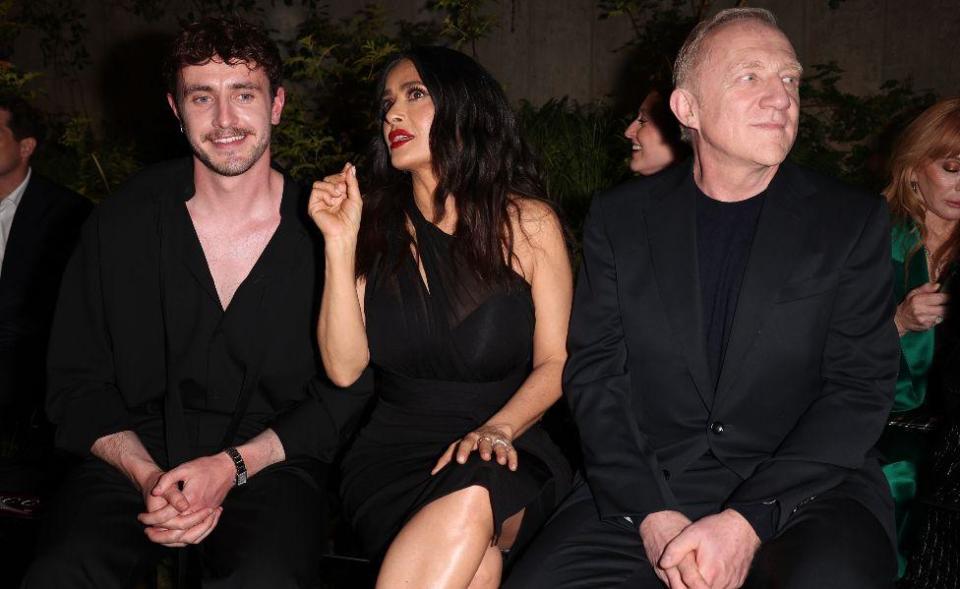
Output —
<point x="655" y="136"/>
<point x="451" y="278"/>
<point x="924" y="199"/>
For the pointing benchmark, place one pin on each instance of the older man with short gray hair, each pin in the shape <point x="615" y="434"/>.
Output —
<point x="732" y="354"/>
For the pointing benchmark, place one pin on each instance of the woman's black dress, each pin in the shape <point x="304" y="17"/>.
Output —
<point x="446" y="356"/>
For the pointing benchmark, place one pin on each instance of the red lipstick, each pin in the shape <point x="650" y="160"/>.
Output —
<point x="398" y="137"/>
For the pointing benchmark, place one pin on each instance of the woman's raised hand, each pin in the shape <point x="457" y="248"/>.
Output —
<point x="922" y="309"/>
<point x="335" y="204"/>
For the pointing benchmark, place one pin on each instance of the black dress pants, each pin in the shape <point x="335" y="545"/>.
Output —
<point x="832" y="542"/>
<point x="269" y="535"/>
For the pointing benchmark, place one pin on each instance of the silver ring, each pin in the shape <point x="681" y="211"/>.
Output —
<point x="501" y="442"/>
<point x="938" y="320"/>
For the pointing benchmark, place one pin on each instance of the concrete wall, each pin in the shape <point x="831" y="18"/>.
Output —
<point x="550" y="48"/>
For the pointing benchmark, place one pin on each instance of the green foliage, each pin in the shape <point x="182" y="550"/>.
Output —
<point x="84" y="162"/>
<point x="658" y="31"/>
<point x="332" y="69"/>
<point x="332" y="72"/>
<point x="464" y="21"/>
<point x="581" y="148"/>
<point x="191" y="10"/>
<point x="847" y="135"/>
<point x="298" y="145"/>
<point x="63" y="30"/>
<point x="13" y="81"/>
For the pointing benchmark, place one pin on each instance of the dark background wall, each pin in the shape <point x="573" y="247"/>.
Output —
<point x="543" y="48"/>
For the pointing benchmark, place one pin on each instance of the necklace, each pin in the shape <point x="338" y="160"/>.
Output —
<point x="934" y="270"/>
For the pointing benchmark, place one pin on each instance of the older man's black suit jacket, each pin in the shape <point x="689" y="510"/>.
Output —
<point x="808" y="375"/>
<point x="44" y="232"/>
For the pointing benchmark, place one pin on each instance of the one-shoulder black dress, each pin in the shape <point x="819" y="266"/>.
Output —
<point x="446" y="356"/>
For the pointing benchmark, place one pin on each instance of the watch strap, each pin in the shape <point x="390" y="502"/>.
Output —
<point x="234" y="455"/>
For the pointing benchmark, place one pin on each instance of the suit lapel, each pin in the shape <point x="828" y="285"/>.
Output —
<point x="23" y="230"/>
<point x="773" y="256"/>
<point x="671" y="219"/>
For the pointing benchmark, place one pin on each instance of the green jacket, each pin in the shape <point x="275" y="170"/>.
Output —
<point x="916" y="347"/>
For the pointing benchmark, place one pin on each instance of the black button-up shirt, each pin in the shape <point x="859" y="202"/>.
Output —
<point x="139" y="322"/>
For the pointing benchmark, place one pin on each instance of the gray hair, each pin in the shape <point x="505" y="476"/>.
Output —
<point x="692" y="51"/>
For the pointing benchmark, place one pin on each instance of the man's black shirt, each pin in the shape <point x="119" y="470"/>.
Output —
<point x="724" y="234"/>
<point x="138" y="313"/>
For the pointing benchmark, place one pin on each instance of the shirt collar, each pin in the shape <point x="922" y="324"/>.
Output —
<point x="17" y="194"/>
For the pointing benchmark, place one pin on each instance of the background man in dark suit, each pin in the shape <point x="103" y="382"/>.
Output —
<point x="732" y="354"/>
<point x="39" y="225"/>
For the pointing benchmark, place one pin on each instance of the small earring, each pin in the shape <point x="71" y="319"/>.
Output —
<point x="181" y="128"/>
<point x="914" y="186"/>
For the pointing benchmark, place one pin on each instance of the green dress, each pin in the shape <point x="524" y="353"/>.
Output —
<point x="905" y="450"/>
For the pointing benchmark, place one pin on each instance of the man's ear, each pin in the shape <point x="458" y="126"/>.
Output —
<point x="684" y="106"/>
<point x="173" y="106"/>
<point x="27" y="146"/>
<point x="279" y="99"/>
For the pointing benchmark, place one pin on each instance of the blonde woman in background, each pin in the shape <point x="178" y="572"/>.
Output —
<point x="924" y="199"/>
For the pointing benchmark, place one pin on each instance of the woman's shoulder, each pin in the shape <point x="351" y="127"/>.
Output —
<point x="533" y="219"/>
<point x="538" y="235"/>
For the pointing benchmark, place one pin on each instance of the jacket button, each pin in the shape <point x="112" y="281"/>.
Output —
<point x="717" y="427"/>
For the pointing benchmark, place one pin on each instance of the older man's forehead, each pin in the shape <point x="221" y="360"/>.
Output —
<point x="751" y="43"/>
<point x="783" y="64"/>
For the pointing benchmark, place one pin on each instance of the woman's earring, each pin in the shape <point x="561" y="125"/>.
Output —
<point x="914" y="186"/>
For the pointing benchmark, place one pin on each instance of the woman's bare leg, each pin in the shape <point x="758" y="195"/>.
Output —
<point x="491" y="568"/>
<point x="443" y="545"/>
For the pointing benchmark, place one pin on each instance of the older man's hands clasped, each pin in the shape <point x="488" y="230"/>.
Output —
<point x="714" y="552"/>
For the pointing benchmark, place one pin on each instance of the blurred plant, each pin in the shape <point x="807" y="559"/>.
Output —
<point x="13" y="81"/>
<point x="464" y="22"/>
<point x="62" y="25"/>
<point x="847" y="135"/>
<point x="191" y="10"/>
<point x="332" y="71"/>
<point x="10" y="26"/>
<point x="581" y="149"/>
<point x="301" y="147"/>
<point x="91" y="165"/>
<point x="659" y="29"/>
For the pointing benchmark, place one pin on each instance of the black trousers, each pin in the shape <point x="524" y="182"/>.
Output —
<point x="831" y="542"/>
<point x="270" y="533"/>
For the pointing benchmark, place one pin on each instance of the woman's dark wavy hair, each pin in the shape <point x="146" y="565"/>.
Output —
<point x="477" y="154"/>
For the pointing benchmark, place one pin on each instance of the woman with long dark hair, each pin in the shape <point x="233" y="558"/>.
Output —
<point x="449" y="277"/>
<point x="924" y="199"/>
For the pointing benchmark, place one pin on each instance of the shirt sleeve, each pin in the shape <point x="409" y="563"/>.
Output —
<point x="761" y="516"/>
<point x="317" y="426"/>
<point x="82" y="395"/>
